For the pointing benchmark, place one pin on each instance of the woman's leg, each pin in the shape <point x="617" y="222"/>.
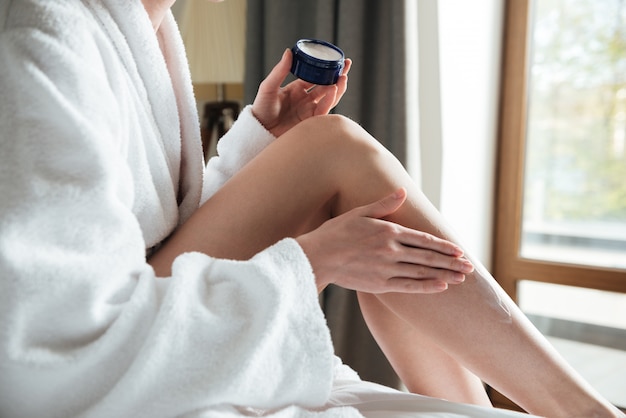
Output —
<point x="329" y="165"/>
<point x="423" y="366"/>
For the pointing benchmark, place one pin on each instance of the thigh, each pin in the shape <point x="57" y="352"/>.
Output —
<point x="288" y="189"/>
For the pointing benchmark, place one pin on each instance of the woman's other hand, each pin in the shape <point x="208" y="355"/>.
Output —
<point x="281" y="108"/>
<point x="361" y="251"/>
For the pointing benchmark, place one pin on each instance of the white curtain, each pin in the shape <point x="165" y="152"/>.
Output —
<point x="454" y="83"/>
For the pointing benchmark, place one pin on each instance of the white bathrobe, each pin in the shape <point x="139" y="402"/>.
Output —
<point x="100" y="160"/>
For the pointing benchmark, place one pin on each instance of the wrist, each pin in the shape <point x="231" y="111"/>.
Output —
<point x="255" y="115"/>
<point x="308" y="248"/>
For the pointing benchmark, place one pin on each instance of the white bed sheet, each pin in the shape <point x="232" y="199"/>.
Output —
<point x="354" y="398"/>
<point x="377" y="401"/>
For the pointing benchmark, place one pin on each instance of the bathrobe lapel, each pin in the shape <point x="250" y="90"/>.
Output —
<point x="170" y="97"/>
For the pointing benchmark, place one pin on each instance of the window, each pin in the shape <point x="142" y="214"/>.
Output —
<point x="560" y="246"/>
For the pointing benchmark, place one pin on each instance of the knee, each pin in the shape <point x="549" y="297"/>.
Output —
<point x="339" y="134"/>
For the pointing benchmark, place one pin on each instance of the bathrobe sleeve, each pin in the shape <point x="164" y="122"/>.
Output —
<point x="86" y="329"/>
<point x="236" y="148"/>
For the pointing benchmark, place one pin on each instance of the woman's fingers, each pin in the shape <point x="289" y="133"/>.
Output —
<point x="388" y="261"/>
<point x="417" y="239"/>
<point x="319" y="99"/>
<point x="429" y="260"/>
<point x="407" y="236"/>
<point x="342" y="83"/>
<point x="383" y="207"/>
<point x="427" y="272"/>
<point x="326" y="102"/>
<point x="362" y="251"/>
<point x="405" y="285"/>
<point x="277" y="76"/>
<point x="280" y="108"/>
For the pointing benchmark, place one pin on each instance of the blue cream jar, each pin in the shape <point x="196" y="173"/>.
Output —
<point x="318" y="62"/>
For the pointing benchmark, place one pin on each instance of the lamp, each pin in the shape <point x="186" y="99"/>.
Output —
<point x="214" y="38"/>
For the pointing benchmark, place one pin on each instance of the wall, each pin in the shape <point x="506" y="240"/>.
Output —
<point x="208" y="92"/>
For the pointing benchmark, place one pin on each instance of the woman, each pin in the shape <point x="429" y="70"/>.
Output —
<point x="129" y="288"/>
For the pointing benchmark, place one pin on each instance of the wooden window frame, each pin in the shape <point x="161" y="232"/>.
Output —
<point x="508" y="266"/>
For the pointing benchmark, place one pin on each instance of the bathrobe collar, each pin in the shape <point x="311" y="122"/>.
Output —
<point x="160" y="62"/>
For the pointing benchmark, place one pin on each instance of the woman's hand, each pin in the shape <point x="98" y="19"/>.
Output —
<point x="358" y="250"/>
<point x="280" y="109"/>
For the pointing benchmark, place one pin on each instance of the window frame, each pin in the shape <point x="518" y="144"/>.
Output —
<point x="508" y="266"/>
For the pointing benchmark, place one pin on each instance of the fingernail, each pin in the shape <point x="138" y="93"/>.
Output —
<point x="467" y="266"/>
<point x="456" y="250"/>
<point x="458" y="278"/>
<point x="399" y="194"/>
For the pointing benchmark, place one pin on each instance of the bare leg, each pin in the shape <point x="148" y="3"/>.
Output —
<point x="423" y="366"/>
<point x="303" y="179"/>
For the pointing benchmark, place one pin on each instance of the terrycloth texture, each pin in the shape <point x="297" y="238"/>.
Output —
<point x="240" y="144"/>
<point x="99" y="160"/>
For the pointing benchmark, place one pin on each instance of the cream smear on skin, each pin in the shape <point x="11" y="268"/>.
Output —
<point x="489" y="285"/>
